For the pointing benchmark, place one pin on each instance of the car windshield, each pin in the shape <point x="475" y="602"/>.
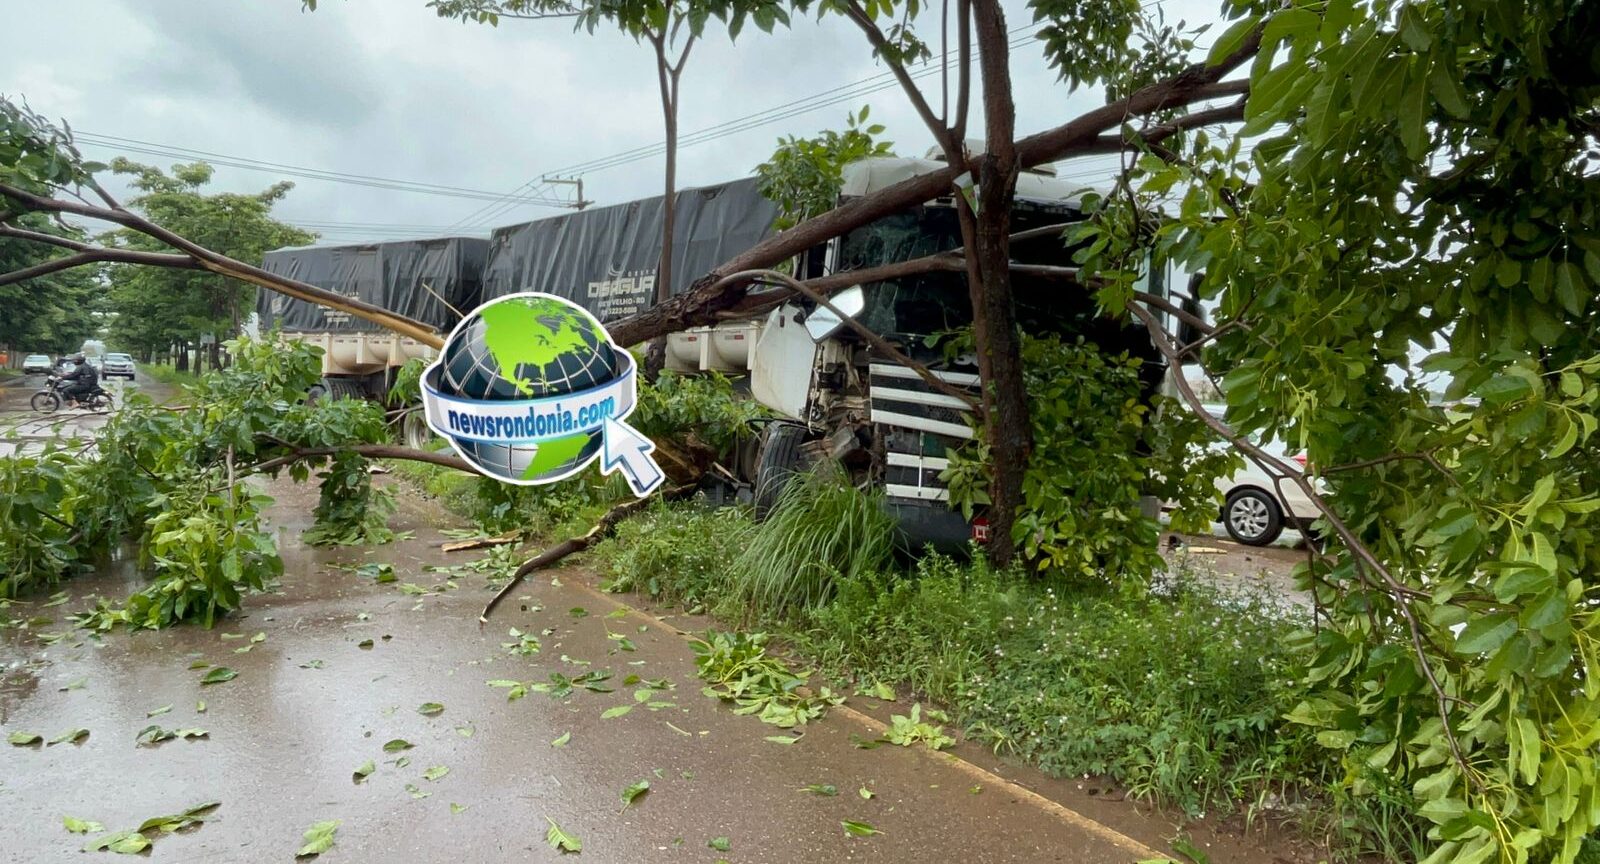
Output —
<point x="118" y="357"/>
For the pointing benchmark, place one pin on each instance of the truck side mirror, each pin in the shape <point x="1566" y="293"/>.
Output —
<point x="822" y="323"/>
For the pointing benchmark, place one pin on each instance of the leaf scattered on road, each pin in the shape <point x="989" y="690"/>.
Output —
<point x="466" y="730"/>
<point x="158" y="711"/>
<point x="562" y="740"/>
<point x="24" y="739"/>
<point x="618" y="711"/>
<point x="632" y="793"/>
<point x="430" y="709"/>
<point x="218" y="675"/>
<point x="858" y="829"/>
<point x="71" y="736"/>
<point x="366" y="769"/>
<point x="416" y="792"/>
<point x="436" y="772"/>
<point x="782" y="739"/>
<point x="122" y="843"/>
<point x="82" y="826"/>
<point x="578" y="612"/>
<point x="721" y="844"/>
<point x="395" y="745"/>
<point x="74" y="684"/>
<point x="458" y="809"/>
<point x="826" y="789"/>
<point x="866" y="794"/>
<point x="152" y="735"/>
<point x="561" y="840"/>
<point x="313" y="664"/>
<point x="365" y="644"/>
<point x="200" y="707"/>
<point x="318" y="839"/>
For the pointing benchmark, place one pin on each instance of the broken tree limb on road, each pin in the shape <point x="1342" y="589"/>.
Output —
<point x="600" y="531"/>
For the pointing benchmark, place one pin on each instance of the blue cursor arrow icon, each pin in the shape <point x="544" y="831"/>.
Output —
<point x="624" y="448"/>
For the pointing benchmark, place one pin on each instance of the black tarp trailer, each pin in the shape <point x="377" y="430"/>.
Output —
<point x="606" y="259"/>
<point x="431" y="281"/>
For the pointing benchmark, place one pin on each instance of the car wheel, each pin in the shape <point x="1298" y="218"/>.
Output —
<point x="778" y="460"/>
<point x="1252" y="517"/>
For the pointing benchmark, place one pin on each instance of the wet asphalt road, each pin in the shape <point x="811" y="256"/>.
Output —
<point x="310" y="704"/>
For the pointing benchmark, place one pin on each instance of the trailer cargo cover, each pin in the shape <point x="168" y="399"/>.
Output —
<point x="421" y="279"/>
<point x="606" y="259"/>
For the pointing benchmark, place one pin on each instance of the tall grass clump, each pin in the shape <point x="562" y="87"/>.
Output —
<point x="822" y="529"/>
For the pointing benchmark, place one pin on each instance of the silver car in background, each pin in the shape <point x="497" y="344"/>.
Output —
<point x="118" y="366"/>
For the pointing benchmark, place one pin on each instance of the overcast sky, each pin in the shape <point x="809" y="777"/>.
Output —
<point x="384" y="88"/>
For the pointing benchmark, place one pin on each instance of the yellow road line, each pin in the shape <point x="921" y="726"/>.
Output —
<point x="983" y="775"/>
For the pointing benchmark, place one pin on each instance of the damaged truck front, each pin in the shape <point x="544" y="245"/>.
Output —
<point x="876" y="417"/>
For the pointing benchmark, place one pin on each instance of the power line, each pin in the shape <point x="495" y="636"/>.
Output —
<point x="843" y="93"/>
<point x="133" y="145"/>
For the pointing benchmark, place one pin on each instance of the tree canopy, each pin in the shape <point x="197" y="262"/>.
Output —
<point x="156" y="308"/>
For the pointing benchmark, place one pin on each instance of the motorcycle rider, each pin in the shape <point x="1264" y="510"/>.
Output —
<point x="83" y="378"/>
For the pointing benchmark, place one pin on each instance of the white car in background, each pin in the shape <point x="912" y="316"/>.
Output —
<point x="118" y="366"/>
<point x="1255" y="508"/>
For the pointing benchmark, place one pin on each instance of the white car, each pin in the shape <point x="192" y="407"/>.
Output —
<point x="118" y="366"/>
<point x="35" y="363"/>
<point x="1256" y="509"/>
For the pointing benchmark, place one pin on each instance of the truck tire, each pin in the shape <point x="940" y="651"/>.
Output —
<point x="778" y="460"/>
<point x="416" y="433"/>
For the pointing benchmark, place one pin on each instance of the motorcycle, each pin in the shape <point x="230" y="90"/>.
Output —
<point x="52" y="397"/>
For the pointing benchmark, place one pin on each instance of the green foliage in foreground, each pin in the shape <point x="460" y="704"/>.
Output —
<point x="1099" y="447"/>
<point x="174" y="482"/>
<point x="1178" y="696"/>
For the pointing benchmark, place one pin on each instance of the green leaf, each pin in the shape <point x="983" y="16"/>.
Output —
<point x="1502" y="389"/>
<point x="458" y="809"/>
<point x="782" y="739"/>
<point x="562" y="740"/>
<point x="158" y="712"/>
<point x="122" y="843"/>
<point x="827" y="790"/>
<point x="80" y="826"/>
<point x="561" y="840"/>
<point x="218" y="675"/>
<point x="74" y="736"/>
<point x="721" y="844"/>
<point x="1486" y="633"/>
<point x="1528" y="763"/>
<point x="618" y="711"/>
<point x="436" y="772"/>
<point x="866" y="794"/>
<point x="633" y="792"/>
<point x="430" y="709"/>
<point x="24" y="739"/>
<point x="1231" y="39"/>
<point x="395" y="745"/>
<point x="858" y="829"/>
<point x="363" y="772"/>
<point x="318" y="839"/>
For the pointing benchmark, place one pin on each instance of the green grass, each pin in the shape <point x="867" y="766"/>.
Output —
<point x="822" y="530"/>
<point x="165" y="374"/>
<point x="1178" y="698"/>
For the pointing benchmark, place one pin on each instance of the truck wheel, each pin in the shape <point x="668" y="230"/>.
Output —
<point x="415" y="431"/>
<point x="778" y="460"/>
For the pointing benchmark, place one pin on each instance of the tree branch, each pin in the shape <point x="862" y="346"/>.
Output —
<point x="223" y="265"/>
<point x="371" y="451"/>
<point x="702" y="302"/>
<point x="1363" y="556"/>
<point x="886" y="52"/>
